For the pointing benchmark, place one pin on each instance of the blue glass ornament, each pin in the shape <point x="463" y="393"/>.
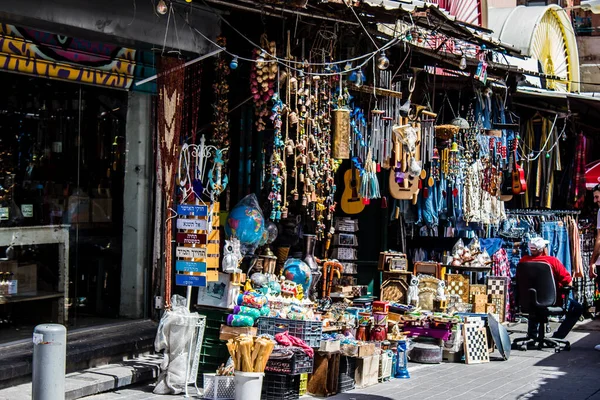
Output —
<point x="234" y="63"/>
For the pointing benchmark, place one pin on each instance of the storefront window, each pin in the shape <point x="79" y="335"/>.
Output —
<point x="61" y="203"/>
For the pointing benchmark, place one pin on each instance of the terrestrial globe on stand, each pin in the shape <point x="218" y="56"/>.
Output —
<point x="246" y="223"/>
<point x="298" y="271"/>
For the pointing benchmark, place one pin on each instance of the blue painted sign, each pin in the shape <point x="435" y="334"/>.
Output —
<point x="190" y="266"/>
<point x="192" y="210"/>
<point x="190" y="280"/>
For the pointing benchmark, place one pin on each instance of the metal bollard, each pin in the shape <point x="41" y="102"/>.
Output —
<point x="49" y="362"/>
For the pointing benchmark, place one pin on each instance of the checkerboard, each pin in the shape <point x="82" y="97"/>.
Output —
<point x="475" y="343"/>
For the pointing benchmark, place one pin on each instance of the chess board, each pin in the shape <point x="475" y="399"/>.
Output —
<point x="499" y="301"/>
<point x="459" y="285"/>
<point x="475" y="344"/>
<point x="497" y="285"/>
<point x="475" y="290"/>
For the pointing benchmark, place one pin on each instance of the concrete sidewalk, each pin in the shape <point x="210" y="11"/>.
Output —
<point x="544" y="374"/>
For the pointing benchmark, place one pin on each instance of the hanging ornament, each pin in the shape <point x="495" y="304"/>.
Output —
<point x="161" y="7"/>
<point x="383" y="62"/>
<point x="234" y="63"/>
<point x="463" y="63"/>
<point x="359" y="78"/>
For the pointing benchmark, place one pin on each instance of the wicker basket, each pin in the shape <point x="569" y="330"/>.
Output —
<point x="446" y="132"/>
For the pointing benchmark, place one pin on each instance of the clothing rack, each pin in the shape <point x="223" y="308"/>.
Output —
<point x="533" y="211"/>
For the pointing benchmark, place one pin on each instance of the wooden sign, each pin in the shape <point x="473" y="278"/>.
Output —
<point x="192" y="224"/>
<point x="191" y="238"/>
<point x="190" y="252"/>
<point x="190" y="266"/>
<point x="190" y="280"/>
<point x="192" y="210"/>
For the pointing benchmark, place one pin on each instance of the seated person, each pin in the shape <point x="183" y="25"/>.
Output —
<point x="539" y="253"/>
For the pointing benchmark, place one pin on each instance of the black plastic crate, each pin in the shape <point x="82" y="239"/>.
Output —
<point x="345" y="384"/>
<point x="280" y="387"/>
<point x="299" y="363"/>
<point x="347" y="366"/>
<point x="309" y="331"/>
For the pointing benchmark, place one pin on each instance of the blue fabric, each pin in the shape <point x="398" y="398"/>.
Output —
<point x="491" y="245"/>
<point x="558" y="237"/>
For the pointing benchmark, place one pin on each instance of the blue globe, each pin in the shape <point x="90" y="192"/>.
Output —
<point x="298" y="271"/>
<point x="246" y="223"/>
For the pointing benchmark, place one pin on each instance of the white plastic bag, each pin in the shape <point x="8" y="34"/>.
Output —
<point x="173" y="336"/>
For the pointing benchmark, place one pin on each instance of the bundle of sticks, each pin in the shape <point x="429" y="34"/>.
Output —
<point x="250" y="354"/>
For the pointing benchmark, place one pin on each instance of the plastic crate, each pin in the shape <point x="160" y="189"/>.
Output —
<point x="385" y="366"/>
<point x="280" y="387"/>
<point x="219" y="387"/>
<point x="299" y="363"/>
<point x="309" y="331"/>
<point x="345" y="384"/>
<point x="303" y="384"/>
<point x="347" y="367"/>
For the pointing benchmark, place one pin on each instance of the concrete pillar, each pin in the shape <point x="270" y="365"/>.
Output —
<point x="137" y="197"/>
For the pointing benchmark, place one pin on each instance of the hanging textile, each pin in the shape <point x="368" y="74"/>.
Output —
<point x="170" y="99"/>
<point x="584" y="288"/>
<point x="578" y="184"/>
<point x="557" y="234"/>
<point x="501" y="267"/>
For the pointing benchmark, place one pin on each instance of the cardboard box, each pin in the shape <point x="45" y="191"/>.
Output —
<point x="366" y="350"/>
<point x="231" y="332"/>
<point x="381" y="307"/>
<point x="329" y="346"/>
<point x="367" y="371"/>
<point x="25" y="275"/>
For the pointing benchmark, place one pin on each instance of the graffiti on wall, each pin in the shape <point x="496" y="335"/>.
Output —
<point x="60" y="57"/>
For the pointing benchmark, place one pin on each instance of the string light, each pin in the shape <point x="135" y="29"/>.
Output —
<point x="161" y="7"/>
<point x="383" y="62"/>
<point x="234" y="63"/>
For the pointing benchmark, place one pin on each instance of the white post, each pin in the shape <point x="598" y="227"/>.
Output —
<point x="49" y="362"/>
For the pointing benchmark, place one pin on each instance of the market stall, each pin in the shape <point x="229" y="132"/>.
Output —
<point x="393" y="188"/>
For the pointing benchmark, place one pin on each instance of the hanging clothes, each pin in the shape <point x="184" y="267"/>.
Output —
<point x="578" y="189"/>
<point x="556" y="233"/>
<point x="479" y="205"/>
<point x="575" y="245"/>
<point x="584" y="288"/>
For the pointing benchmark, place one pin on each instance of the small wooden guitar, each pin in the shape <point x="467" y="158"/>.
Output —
<point x="519" y="184"/>
<point x="403" y="186"/>
<point x="351" y="200"/>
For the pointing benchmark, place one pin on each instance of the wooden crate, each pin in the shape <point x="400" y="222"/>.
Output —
<point x="324" y="379"/>
<point x="367" y="371"/>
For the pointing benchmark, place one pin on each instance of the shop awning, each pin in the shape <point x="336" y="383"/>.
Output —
<point x="585" y="106"/>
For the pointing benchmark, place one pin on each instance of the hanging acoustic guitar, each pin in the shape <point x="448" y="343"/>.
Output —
<point x="351" y="200"/>
<point x="402" y="185"/>
<point x="519" y="184"/>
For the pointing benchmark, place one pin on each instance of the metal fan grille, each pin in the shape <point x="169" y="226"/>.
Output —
<point x="549" y="47"/>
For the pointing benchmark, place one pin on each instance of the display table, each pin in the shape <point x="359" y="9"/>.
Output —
<point x="38" y="235"/>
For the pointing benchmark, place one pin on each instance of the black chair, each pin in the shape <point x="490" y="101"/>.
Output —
<point x="537" y="297"/>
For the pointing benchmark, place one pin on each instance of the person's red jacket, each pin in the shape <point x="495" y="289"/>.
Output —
<point x="562" y="277"/>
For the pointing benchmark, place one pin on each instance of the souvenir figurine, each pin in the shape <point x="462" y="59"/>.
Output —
<point x="413" y="291"/>
<point x="232" y="256"/>
<point x="440" y="295"/>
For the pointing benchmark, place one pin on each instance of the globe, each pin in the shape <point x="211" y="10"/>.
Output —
<point x="264" y="238"/>
<point x="298" y="271"/>
<point x="245" y="223"/>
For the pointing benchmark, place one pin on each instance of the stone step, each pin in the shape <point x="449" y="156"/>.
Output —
<point x="97" y="380"/>
<point x="86" y="348"/>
